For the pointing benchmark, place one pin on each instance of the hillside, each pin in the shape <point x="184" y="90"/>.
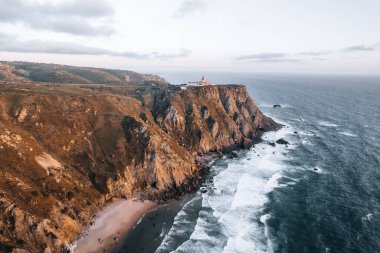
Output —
<point x="67" y="150"/>
<point x="53" y="73"/>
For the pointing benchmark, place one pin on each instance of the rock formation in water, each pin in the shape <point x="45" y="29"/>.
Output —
<point x="65" y="152"/>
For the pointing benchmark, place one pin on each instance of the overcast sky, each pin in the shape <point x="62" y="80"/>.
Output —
<point x="299" y="36"/>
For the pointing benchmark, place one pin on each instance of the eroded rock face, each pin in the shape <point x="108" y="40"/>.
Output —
<point x="23" y="232"/>
<point x="212" y="118"/>
<point x="63" y="156"/>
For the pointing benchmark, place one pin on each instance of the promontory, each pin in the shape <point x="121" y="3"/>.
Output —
<point x="72" y="139"/>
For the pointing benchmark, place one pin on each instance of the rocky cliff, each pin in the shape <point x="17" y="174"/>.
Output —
<point x="66" y="152"/>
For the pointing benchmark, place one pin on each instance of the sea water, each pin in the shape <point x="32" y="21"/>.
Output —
<point x="320" y="193"/>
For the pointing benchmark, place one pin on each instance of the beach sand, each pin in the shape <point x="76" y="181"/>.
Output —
<point x="149" y="233"/>
<point x="111" y="225"/>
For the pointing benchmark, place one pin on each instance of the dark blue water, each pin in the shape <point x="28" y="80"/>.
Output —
<point x="319" y="194"/>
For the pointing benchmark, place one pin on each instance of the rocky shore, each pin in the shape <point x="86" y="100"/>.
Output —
<point x="68" y="151"/>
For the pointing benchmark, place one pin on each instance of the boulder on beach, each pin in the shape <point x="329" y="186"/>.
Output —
<point x="282" y="141"/>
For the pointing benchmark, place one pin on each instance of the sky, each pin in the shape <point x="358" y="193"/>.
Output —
<point x="280" y="36"/>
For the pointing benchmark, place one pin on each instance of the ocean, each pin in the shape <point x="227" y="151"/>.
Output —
<point x="321" y="193"/>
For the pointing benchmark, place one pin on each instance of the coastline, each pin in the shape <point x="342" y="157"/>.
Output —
<point x="120" y="218"/>
<point x="198" y="125"/>
<point x="112" y="223"/>
<point x="114" y="227"/>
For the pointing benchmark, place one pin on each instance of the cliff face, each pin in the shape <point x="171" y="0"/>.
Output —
<point x="65" y="153"/>
<point x="210" y="118"/>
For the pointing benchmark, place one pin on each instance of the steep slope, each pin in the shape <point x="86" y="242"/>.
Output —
<point x="54" y="73"/>
<point x="211" y="118"/>
<point x="7" y="74"/>
<point x="64" y="155"/>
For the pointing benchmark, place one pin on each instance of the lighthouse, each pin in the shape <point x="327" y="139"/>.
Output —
<point x="203" y="81"/>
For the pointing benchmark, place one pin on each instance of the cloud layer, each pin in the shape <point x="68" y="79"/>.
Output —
<point x="12" y="44"/>
<point x="66" y="16"/>
<point x="266" y="57"/>
<point x="360" y="48"/>
<point x="298" y="57"/>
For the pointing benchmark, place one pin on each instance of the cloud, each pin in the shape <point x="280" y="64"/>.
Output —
<point x="266" y="58"/>
<point x="18" y="9"/>
<point x="278" y="60"/>
<point x="301" y="56"/>
<point x="75" y="26"/>
<point x="86" y="8"/>
<point x="262" y="56"/>
<point x="188" y="7"/>
<point x="359" y="48"/>
<point x="165" y="56"/>
<point x="319" y="59"/>
<point x="11" y="44"/>
<point x="66" y="16"/>
<point x="313" y="53"/>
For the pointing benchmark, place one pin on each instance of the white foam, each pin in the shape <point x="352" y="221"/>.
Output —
<point x="247" y="193"/>
<point x="368" y="217"/>
<point x="327" y="124"/>
<point x="307" y="133"/>
<point x="264" y="218"/>
<point x="237" y="199"/>
<point x="272" y="183"/>
<point x="162" y="232"/>
<point x="346" y="133"/>
<point x="260" y="177"/>
<point x="180" y="226"/>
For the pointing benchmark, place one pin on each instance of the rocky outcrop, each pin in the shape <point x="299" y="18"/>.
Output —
<point x="282" y="141"/>
<point x="212" y="118"/>
<point x="64" y="153"/>
<point x="24" y="232"/>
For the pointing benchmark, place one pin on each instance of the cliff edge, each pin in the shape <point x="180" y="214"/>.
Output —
<point x="66" y="152"/>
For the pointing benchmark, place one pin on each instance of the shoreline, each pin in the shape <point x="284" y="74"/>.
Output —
<point x="149" y="234"/>
<point x="112" y="224"/>
<point x="150" y="231"/>
<point x="119" y="218"/>
<point x="117" y="221"/>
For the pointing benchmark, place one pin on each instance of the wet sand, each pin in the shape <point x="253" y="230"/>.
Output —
<point x="148" y="234"/>
<point x="112" y="224"/>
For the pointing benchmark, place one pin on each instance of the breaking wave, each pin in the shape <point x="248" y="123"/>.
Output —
<point x="230" y="216"/>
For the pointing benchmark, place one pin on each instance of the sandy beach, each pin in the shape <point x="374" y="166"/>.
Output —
<point x="111" y="225"/>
